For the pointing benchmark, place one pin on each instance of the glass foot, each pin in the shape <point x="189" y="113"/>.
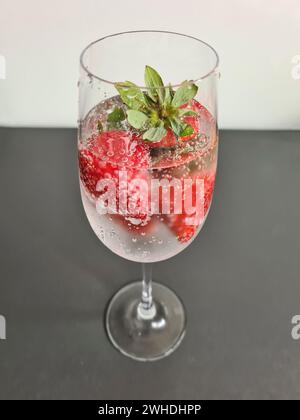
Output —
<point x="145" y="335"/>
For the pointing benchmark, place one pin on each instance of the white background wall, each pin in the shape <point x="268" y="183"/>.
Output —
<point x="256" y="40"/>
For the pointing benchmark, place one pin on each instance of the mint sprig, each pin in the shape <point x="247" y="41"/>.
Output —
<point x="157" y="109"/>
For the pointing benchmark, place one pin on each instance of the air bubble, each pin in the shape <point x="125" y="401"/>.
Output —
<point x="102" y="234"/>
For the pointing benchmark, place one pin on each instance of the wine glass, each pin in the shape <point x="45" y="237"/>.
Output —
<point x="147" y="148"/>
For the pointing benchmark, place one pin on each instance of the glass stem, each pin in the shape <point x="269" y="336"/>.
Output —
<point x="147" y="286"/>
<point x="146" y="308"/>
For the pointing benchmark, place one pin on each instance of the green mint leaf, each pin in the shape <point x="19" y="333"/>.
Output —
<point x="136" y="119"/>
<point x="187" y="131"/>
<point x="168" y="95"/>
<point x="177" y="126"/>
<point x="184" y="93"/>
<point x="149" y="101"/>
<point x="155" y="133"/>
<point x="116" y="115"/>
<point x="155" y="84"/>
<point x="185" y="112"/>
<point x="131" y="95"/>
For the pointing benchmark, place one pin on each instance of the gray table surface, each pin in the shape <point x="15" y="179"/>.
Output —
<point x="239" y="279"/>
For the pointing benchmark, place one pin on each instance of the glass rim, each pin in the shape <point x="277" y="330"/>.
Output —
<point x="198" y="79"/>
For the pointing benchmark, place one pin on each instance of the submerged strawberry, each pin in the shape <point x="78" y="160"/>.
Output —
<point x="91" y="169"/>
<point x="121" y="149"/>
<point x="117" y="156"/>
<point x="184" y="225"/>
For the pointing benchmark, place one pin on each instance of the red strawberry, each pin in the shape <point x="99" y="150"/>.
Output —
<point x="170" y="139"/>
<point x="178" y="222"/>
<point x="91" y="170"/>
<point x="109" y="153"/>
<point x="121" y="148"/>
